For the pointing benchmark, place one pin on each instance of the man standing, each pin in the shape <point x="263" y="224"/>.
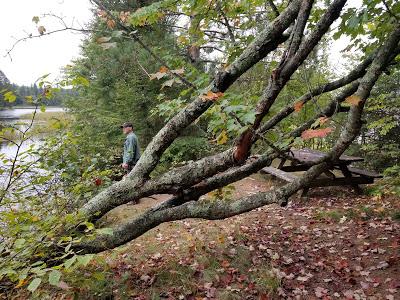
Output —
<point x="131" y="147"/>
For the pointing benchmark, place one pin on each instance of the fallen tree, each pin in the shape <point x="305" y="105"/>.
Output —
<point x="188" y="183"/>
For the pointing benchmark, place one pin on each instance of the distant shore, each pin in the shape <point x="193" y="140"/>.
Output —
<point x="27" y="107"/>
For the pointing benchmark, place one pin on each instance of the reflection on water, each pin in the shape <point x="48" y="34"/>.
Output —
<point x="12" y="116"/>
<point x="19" y="117"/>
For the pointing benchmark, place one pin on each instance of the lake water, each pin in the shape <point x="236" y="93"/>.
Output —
<point x="18" y="115"/>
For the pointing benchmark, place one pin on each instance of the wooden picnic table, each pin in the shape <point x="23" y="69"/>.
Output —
<point x="303" y="161"/>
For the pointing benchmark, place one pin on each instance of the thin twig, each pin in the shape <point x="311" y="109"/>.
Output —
<point x="13" y="165"/>
<point x="31" y="36"/>
<point x="389" y="10"/>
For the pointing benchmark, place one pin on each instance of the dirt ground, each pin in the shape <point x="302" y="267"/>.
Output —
<point x="332" y="245"/>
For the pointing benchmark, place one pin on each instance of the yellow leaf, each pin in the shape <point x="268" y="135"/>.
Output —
<point x="168" y="83"/>
<point x="221" y="239"/>
<point x="222" y="138"/>
<point x="21" y="282"/>
<point x="183" y="40"/>
<point x="103" y="39"/>
<point x="377" y="198"/>
<point x="353" y="100"/>
<point x="157" y="75"/>
<point x="124" y="16"/>
<point x="35" y="19"/>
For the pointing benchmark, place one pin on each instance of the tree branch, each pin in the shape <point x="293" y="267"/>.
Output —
<point x="281" y="75"/>
<point x="273" y="7"/>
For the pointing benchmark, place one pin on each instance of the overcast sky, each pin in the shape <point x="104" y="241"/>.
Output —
<point x="47" y="54"/>
<point x="36" y="57"/>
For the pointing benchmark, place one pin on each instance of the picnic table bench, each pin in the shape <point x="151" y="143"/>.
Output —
<point x="303" y="161"/>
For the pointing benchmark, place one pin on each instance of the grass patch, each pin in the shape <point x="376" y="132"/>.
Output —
<point x="267" y="281"/>
<point x="46" y="116"/>
<point x="211" y="265"/>
<point x="363" y="212"/>
<point x="366" y="212"/>
<point x="49" y="122"/>
<point x="229" y="295"/>
<point x="352" y="213"/>
<point x="242" y="259"/>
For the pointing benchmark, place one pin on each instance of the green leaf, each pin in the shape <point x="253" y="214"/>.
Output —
<point x="69" y="262"/>
<point x="42" y="108"/>
<point x="83" y="260"/>
<point x="7" y="271"/>
<point x="19" y="243"/>
<point x="38" y="263"/>
<point x="54" y="277"/>
<point x="34" y="284"/>
<point x="90" y="226"/>
<point x="353" y="22"/>
<point x="80" y="81"/>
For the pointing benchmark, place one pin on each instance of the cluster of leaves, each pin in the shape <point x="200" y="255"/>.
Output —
<point x="40" y="206"/>
<point x="380" y="137"/>
<point x="369" y="22"/>
<point x="41" y="187"/>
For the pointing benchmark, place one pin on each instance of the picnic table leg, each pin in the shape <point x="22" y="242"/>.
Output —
<point x="283" y="160"/>
<point x="330" y="174"/>
<point x="348" y="174"/>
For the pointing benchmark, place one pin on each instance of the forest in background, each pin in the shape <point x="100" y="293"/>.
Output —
<point x="24" y="94"/>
